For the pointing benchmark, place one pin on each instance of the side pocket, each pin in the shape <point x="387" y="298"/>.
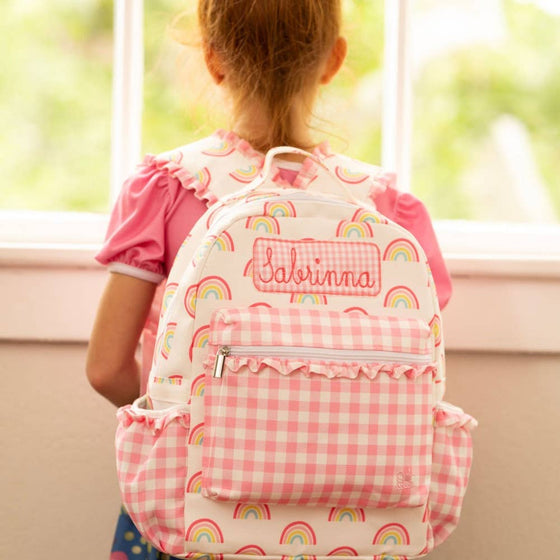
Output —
<point x="152" y="469"/>
<point x="451" y="464"/>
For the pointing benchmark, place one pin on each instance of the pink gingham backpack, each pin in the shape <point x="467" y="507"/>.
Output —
<point x="294" y="407"/>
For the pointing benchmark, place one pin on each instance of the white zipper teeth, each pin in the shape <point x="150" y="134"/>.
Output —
<point x="336" y="355"/>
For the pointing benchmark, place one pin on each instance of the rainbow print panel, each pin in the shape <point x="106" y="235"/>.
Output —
<point x="298" y="532"/>
<point x="224" y="242"/>
<point x="393" y="534"/>
<point x="343" y="551"/>
<point x="435" y="325"/>
<point x="204" y="530"/>
<point x="248" y="270"/>
<point x="197" y="386"/>
<point x="203" y="249"/>
<point x="356" y="311"/>
<point x="313" y="299"/>
<point x="203" y="177"/>
<point x="200" y="339"/>
<point x="245" y="174"/>
<point x="401" y="250"/>
<point x="194" y="485"/>
<point x="196" y="435"/>
<point x="221" y="148"/>
<point x="190" y="299"/>
<point x="251" y="511"/>
<point x="213" y="287"/>
<point x="282" y="209"/>
<point x="251" y="550"/>
<point x="347" y="514"/>
<point x="355" y="230"/>
<point x="263" y="224"/>
<point x="168" y="340"/>
<point x="363" y="215"/>
<point x="401" y="297"/>
<point x="170" y="291"/>
<point x="349" y="176"/>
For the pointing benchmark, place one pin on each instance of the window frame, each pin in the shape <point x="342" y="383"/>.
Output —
<point x="485" y="259"/>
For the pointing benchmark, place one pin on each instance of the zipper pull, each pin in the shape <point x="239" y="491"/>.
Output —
<point x="223" y="352"/>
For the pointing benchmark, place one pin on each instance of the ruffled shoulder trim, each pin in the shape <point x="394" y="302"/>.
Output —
<point x="350" y="370"/>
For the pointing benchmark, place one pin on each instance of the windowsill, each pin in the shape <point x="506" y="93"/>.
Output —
<point x="506" y="281"/>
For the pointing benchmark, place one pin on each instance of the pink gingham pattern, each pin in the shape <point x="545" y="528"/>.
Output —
<point x="452" y="456"/>
<point x="152" y="471"/>
<point x="345" y="268"/>
<point x="293" y="439"/>
<point x="264" y="326"/>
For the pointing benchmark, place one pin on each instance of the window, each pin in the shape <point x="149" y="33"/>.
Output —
<point x="486" y="105"/>
<point x="55" y="104"/>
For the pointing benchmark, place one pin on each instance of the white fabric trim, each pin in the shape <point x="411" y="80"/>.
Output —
<point x="291" y="165"/>
<point x="140" y="273"/>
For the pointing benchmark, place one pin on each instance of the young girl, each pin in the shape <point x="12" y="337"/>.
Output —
<point x="271" y="58"/>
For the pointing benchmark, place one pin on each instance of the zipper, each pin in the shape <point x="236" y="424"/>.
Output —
<point x="317" y="354"/>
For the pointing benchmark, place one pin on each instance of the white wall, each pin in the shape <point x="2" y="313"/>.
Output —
<point x="60" y="499"/>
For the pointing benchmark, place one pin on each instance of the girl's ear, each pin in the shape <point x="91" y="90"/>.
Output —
<point x="335" y="60"/>
<point x="213" y="64"/>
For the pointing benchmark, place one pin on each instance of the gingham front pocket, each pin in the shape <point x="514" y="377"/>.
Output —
<point x="315" y="407"/>
<point x="152" y="470"/>
<point x="452" y="457"/>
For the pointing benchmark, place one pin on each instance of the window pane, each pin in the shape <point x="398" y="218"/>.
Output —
<point x="486" y="106"/>
<point x="182" y="105"/>
<point x="55" y="104"/>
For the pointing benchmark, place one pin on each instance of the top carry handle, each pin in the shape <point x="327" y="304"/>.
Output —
<point x="267" y="170"/>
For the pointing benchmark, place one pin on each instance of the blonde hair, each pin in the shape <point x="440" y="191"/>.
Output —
<point x="272" y="52"/>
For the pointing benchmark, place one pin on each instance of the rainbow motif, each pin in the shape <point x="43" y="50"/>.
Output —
<point x="401" y="250"/>
<point x="224" y="242"/>
<point x="401" y="296"/>
<point x="435" y="325"/>
<point x="186" y="240"/>
<point x="197" y="386"/>
<point x="251" y="511"/>
<point x="257" y="195"/>
<point x="157" y="349"/>
<point x="349" y="229"/>
<point x="264" y="224"/>
<point x="170" y="291"/>
<point x="300" y="557"/>
<point x="212" y="215"/>
<point x="213" y="287"/>
<point x="175" y="157"/>
<point x="261" y="304"/>
<point x="221" y="149"/>
<point x="349" y="176"/>
<point x="363" y="215"/>
<point x="392" y="557"/>
<point x="245" y="174"/>
<point x="203" y="248"/>
<point x="298" y="532"/>
<point x="200" y="339"/>
<point x="283" y="209"/>
<point x="315" y="299"/>
<point x="204" y="556"/>
<point x="168" y="339"/>
<point x="196" y="435"/>
<point x="356" y="311"/>
<point x="392" y="533"/>
<point x="343" y="551"/>
<point x="171" y="380"/>
<point x="194" y="485"/>
<point x="252" y="550"/>
<point x="190" y="299"/>
<point x="203" y="177"/>
<point x="248" y="270"/>
<point x="204" y="530"/>
<point x="347" y="514"/>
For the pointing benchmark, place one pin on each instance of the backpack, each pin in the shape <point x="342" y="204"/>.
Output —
<point x="294" y="407"/>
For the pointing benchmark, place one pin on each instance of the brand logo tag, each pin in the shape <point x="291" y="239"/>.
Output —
<point x="317" y="267"/>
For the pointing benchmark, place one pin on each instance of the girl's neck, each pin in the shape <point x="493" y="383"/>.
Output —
<point x="250" y="123"/>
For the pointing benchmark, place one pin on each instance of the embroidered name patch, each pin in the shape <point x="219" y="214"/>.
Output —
<point x="317" y="267"/>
